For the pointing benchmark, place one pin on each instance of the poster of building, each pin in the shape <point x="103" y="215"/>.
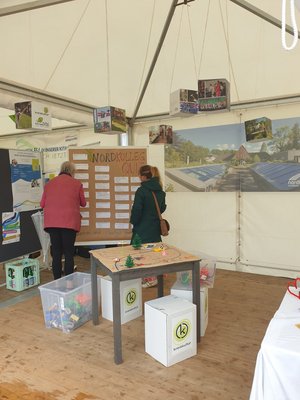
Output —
<point x="219" y="159"/>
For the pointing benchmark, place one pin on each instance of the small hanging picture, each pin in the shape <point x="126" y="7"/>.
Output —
<point x="109" y="120"/>
<point x="161" y="134"/>
<point x="213" y="95"/>
<point x="184" y="103"/>
<point x="258" y="129"/>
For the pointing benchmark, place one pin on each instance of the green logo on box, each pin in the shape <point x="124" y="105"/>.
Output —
<point x="131" y="297"/>
<point x="182" y="330"/>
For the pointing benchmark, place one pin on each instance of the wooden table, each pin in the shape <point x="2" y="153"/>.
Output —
<point x="156" y="261"/>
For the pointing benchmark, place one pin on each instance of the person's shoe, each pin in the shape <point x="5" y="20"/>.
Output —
<point x="149" y="282"/>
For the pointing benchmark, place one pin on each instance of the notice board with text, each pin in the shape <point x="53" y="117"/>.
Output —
<point x="110" y="178"/>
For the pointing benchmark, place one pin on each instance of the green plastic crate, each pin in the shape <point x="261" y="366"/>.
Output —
<point x="22" y="274"/>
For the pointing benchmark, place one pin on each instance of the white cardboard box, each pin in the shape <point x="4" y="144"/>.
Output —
<point x="170" y="329"/>
<point x="130" y="299"/>
<point x="181" y="291"/>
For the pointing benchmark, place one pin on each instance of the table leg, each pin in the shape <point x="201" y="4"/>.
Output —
<point x="117" y="318"/>
<point x="160" y="285"/>
<point x="94" y="283"/>
<point x="196" y="296"/>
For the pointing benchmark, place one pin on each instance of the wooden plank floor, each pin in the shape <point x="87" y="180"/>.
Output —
<point x="41" y="364"/>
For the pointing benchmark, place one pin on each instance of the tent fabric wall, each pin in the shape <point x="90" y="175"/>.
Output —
<point x="204" y="223"/>
<point x="206" y="40"/>
<point x="264" y="239"/>
<point x="270" y="233"/>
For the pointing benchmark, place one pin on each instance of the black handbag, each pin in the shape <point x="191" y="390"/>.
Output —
<point x="164" y="224"/>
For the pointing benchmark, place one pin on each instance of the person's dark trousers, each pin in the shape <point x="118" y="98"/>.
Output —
<point x="62" y="243"/>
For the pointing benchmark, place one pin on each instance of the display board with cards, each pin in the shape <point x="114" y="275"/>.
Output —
<point x="110" y="178"/>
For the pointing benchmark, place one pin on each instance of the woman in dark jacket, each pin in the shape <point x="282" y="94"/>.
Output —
<point x="144" y="216"/>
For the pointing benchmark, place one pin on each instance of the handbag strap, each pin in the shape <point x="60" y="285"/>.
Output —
<point x="157" y="207"/>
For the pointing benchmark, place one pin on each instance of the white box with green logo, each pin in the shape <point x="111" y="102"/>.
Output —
<point x="170" y="329"/>
<point x="130" y="299"/>
<point x="180" y="290"/>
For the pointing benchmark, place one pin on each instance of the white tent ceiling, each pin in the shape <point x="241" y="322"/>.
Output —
<point x="98" y="52"/>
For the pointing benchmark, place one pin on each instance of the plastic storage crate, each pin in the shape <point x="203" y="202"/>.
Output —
<point x="22" y="274"/>
<point x="67" y="302"/>
<point x="207" y="273"/>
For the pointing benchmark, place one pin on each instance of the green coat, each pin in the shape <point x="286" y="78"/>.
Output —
<point x="144" y="217"/>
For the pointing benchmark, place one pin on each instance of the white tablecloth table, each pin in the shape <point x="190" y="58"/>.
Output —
<point x="277" y="370"/>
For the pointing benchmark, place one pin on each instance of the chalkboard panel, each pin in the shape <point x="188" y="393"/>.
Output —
<point x="29" y="241"/>
<point x="6" y="198"/>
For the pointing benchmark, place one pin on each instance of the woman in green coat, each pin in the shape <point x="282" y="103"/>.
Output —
<point x="144" y="216"/>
